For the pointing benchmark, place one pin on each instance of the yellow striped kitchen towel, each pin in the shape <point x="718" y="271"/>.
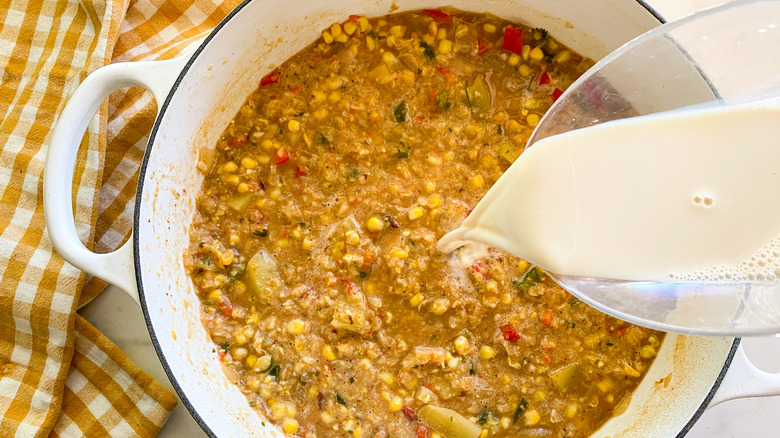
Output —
<point x="58" y="375"/>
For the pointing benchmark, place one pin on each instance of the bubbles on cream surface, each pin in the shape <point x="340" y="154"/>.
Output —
<point x="763" y="266"/>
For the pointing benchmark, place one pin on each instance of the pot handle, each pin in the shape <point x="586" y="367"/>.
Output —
<point x="115" y="267"/>
<point x="743" y="380"/>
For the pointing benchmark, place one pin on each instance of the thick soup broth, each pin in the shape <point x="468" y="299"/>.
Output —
<point x="313" y="247"/>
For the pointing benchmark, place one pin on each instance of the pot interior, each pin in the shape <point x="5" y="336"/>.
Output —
<point x="255" y="38"/>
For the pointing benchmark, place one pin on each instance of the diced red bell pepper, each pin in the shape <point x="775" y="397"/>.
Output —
<point x="437" y="15"/>
<point x="509" y="332"/>
<point x="544" y="78"/>
<point x="513" y="40"/>
<point x="354" y="18"/>
<point x="281" y="156"/>
<point x="556" y="94"/>
<point x="409" y="413"/>
<point x="222" y="355"/>
<point x="481" y="47"/>
<point x="271" y="78"/>
<point x="448" y="74"/>
<point x="300" y="172"/>
<point x="422" y="432"/>
<point x="295" y="89"/>
<point x="235" y="142"/>
<point x="547" y="318"/>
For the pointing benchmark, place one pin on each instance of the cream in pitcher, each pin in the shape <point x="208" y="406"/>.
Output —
<point x="686" y="195"/>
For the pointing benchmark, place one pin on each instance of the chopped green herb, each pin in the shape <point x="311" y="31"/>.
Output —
<point x="399" y="112"/>
<point x="238" y="274"/>
<point x="302" y="380"/>
<point x="321" y="139"/>
<point x="483" y="416"/>
<point x="574" y="302"/>
<point x="427" y="50"/>
<point x="443" y="100"/>
<point x="209" y="303"/>
<point x="352" y="379"/>
<point x="528" y="281"/>
<point x="340" y="399"/>
<point x="609" y="344"/>
<point x="252" y="403"/>
<point x="225" y="346"/>
<point x="261" y="233"/>
<point x="500" y="130"/>
<point x="401" y="154"/>
<point x="274" y="372"/>
<point x="473" y="369"/>
<point x="521" y="408"/>
<point x="363" y="274"/>
<point x="353" y="173"/>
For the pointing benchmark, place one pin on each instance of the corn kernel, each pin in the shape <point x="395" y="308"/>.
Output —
<point x="489" y="27"/>
<point x="630" y="371"/>
<point x="477" y="181"/>
<point x="307" y="243"/>
<point x="536" y="54"/>
<point x="400" y="254"/>
<point x="294" y="125"/>
<point x="215" y="295"/>
<point x="439" y="306"/>
<point x="398" y="30"/>
<point x="609" y="398"/>
<point x="416" y="300"/>
<point x="278" y="410"/>
<point x="343" y="38"/>
<point x="571" y="410"/>
<point x="370" y="44"/>
<point x="524" y="70"/>
<point x="505" y="422"/>
<point x="433" y="160"/>
<point x="462" y="345"/>
<point x="275" y="193"/>
<point x="374" y="224"/>
<point x="242" y="188"/>
<point x="483" y="433"/>
<point x="562" y="56"/>
<point x="532" y="417"/>
<point x="248" y="163"/>
<point x="250" y="361"/>
<point x="327" y="37"/>
<point x="240" y="339"/>
<point x="328" y="353"/>
<point x="229" y="167"/>
<point x="539" y="396"/>
<point x="335" y="30"/>
<point x="267" y="144"/>
<point x="514" y="59"/>
<point x="387" y="378"/>
<point x="364" y="25"/>
<point x="416" y="213"/>
<point x="445" y="46"/>
<point x="296" y="326"/>
<point x="320" y="113"/>
<point x="647" y="352"/>
<point x="532" y="119"/>
<point x="334" y="97"/>
<point x="227" y="257"/>
<point x="357" y="432"/>
<point x="523" y="265"/>
<point x="289" y="425"/>
<point x="486" y="352"/>
<point x="388" y="58"/>
<point x="352" y="237"/>
<point x="442" y="33"/>
<point x="395" y="403"/>
<point x="234" y="239"/>
<point x="434" y="201"/>
<point x="350" y="28"/>
<point x="281" y="243"/>
<point x="430" y="187"/>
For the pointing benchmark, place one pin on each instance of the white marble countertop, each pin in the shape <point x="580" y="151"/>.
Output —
<point x="119" y="318"/>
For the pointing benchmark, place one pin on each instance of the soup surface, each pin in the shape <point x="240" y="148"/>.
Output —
<point x="313" y="245"/>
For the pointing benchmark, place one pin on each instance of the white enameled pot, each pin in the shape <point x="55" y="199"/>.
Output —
<point x="198" y="95"/>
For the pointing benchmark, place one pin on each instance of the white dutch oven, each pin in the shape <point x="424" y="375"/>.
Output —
<point x="197" y="96"/>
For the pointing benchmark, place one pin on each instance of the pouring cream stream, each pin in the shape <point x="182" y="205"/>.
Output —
<point x="686" y="195"/>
